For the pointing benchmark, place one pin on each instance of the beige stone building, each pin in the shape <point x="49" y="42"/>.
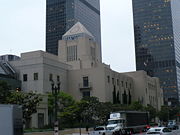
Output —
<point x="36" y="70"/>
<point x="146" y="89"/>
<point x="79" y="68"/>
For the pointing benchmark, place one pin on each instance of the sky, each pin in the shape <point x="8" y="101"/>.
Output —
<point x="22" y="29"/>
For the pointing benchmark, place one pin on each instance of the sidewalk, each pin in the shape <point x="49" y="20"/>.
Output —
<point x="39" y="133"/>
<point x="51" y="133"/>
<point x="62" y="132"/>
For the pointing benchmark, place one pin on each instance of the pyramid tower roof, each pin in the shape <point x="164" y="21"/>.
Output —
<point x="76" y="29"/>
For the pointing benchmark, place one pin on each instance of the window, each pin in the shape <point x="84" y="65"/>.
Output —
<point x="122" y="83"/>
<point x="58" y="78"/>
<point x="108" y="79"/>
<point x="10" y="57"/>
<point x="72" y="53"/>
<point x="117" y="81"/>
<point x="112" y="80"/>
<point x="40" y="120"/>
<point x="158" y="133"/>
<point x="35" y="76"/>
<point x="93" y="54"/>
<point x="166" y="130"/>
<point x="24" y="77"/>
<point x="86" y="94"/>
<point x="85" y="81"/>
<point x="126" y="84"/>
<point x="50" y="77"/>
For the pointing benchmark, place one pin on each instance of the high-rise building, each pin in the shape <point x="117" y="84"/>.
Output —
<point x="61" y="15"/>
<point x="157" y="43"/>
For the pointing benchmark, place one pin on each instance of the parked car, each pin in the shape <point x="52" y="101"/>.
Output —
<point x="100" y="130"/>
<point x="159" y="130"/>
<point x="172" y="124"/>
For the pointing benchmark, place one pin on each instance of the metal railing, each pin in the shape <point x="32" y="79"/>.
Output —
<point x="87" y="86"/>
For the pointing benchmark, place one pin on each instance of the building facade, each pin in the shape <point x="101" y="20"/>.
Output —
<point x="146" y="89"/>
<point x="157" y="43"/>
<point x="61" y="15"/>
<point x="81" y="73"/>
<point x="88" y="76"/>
<point x="36" y="71"/>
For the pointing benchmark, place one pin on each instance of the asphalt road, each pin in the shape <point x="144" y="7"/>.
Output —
<point x="174" y="132"/>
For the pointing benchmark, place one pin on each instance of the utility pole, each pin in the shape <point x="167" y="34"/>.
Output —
<point x="169" y="105"/>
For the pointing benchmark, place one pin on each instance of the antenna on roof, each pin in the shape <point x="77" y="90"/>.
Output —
<point x="10" y="51"/>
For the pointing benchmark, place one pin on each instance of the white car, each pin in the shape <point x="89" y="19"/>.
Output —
<point x="159" y="130"/>
<point x="100" y="130"/>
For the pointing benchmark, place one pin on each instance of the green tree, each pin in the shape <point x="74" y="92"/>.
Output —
<point x="4" y="92"/>
<point x="89" y="109"/>
<point x="136" y="106"/>
<point x="65" y="107"/>
<point x="64" y="100"/>
<point x="103" y="112"/>
<point x="164" y="113"/>
<point x="168" y="113"/>
<point x="74" y="115"/>
<point x="70" y="116"/>
<point x="174" y="111"/>
<point x="152" y="112"/>
<point x="29" y="102"/>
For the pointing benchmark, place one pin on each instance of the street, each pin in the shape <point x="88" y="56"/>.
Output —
<point x="174" y="132"/>
<point x="76" y="132"/>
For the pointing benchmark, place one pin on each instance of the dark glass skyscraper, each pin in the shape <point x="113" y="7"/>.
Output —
<point x="157" y="42"/>
<point x="61" y="15"/>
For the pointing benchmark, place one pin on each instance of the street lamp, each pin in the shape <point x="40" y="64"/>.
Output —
<point x="55" y="92"/>
<point x="169" y="105"/>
